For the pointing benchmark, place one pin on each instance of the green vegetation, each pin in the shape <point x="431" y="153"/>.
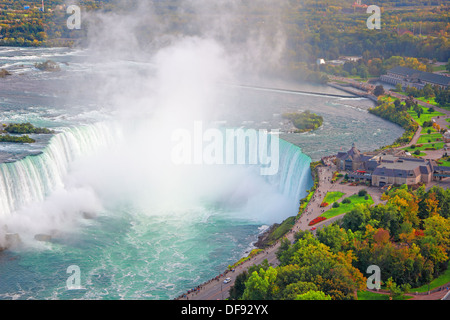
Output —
<point x="430" y="94"/>
<point x="333" y="196"/>
<point x="20" y="132"/>
<point x="422" y="114"/>
<point x="424" y="147"/>
<point x="428" y="138"/>
<point x="16" y="139"/>
<point x="26" y="128"/>
<point x="439" y="281"/>
<point x="397" y="114"/>
<point x="368" y="295"/>
<point x="408" y="238"/>
<point x="243" y="259"/>
<point x="305" y="121"/>
<point x="276" y="232"/>
<point x="346" y="206"/>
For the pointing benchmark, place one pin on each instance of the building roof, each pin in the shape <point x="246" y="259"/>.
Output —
<point x="435" y="78"/>
<point x="403" y="168"/>
<point x="353" y="154"/>
<point x="404" y="71"/>
<point x="421" y="75"/>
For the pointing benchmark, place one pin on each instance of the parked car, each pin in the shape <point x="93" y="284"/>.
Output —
<point x="227" y="280"/>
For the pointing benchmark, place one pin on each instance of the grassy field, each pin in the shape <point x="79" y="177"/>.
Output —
<point x="426" y="115"/>
<point x="368" y="295"/>
<point x="428" y="138"/>
<point x="443" y="163"/>
<point x="334" y="196"/>
<point x="425" y="130"/>
<point x="429" y="100"/>
<point x="437" y="146"/>
<point x="346" y="207"/>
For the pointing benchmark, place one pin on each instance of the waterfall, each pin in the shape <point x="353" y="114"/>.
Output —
<point x="294" y="175"/>
<point x="35" y="177"/>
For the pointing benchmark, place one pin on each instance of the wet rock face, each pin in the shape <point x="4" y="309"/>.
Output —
<point x="43" y="237"/>
<point x="4" y="73"/>
<point x="10" y="240"/>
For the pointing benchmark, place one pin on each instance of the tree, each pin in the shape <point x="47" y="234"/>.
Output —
<point x="362" y="192"/>
<point x="313" y="295"/>
<point x="237" y="290"/>
<point x="398" y="87"/>
<point x="396" y="292"/>
<point x="261" y="285"/>
<point x="356" y="219"/>
<point x="428" y="91"/>
<point x="379" y="90"/>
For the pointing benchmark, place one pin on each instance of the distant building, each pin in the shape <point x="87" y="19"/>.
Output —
<point x="408" y="77"/>
<point x="336" y="62"/>
<point x="385" y="168"/>
<point x="320" y="61"/>
<point x="351" y="58"/>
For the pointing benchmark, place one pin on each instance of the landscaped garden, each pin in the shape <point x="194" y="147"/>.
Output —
<point x="332" y="196"/>
<point x="348" y="204"/>
<point x="426" y="115"/>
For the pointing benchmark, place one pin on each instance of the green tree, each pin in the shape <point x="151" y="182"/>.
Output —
<point x="261" y="285"/>
<point x="313" y="295"/>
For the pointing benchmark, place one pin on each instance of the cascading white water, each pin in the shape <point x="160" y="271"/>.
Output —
<point x="294" y="176"/>
<point x="35" y="177"/>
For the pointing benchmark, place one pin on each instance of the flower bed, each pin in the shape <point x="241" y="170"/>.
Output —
<point x="316" y="220"/>
<point x="324" y="204"/>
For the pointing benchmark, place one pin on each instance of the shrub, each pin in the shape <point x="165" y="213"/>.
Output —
<point x="362" y="193"/>
<point x="346" y="200"/>
<point x="335" y="205"/>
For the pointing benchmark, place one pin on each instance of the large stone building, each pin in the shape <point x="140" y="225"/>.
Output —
<point x="407" y="171"/>
<point x="408" y="77"/>
<point x="384" y="168"/>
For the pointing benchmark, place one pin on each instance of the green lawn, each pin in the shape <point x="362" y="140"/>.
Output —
<point x="437" y="146"/>
<point x="428" y="138"/>
<point x="368" y="295"/>
<point x="346" y="207"/>
<point x="440" y="67"/>
<point x="426" y="116"/>
<point x="429" y="100"/>
<point x="425" y="130"/>
<point x="439" y="281"/>
<point x="333" y="196"/>
<point x="443" y="163"/>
